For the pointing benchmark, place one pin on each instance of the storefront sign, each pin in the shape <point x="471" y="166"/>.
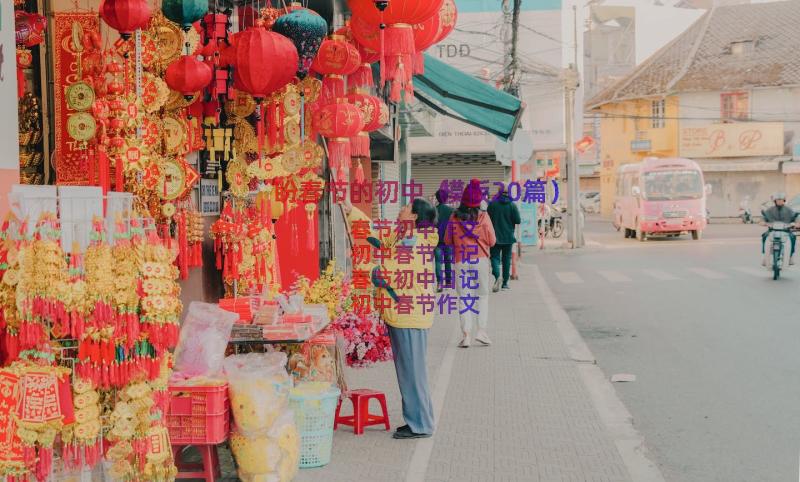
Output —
<point x="744" y="139"/>
<point x="209" y="197"/>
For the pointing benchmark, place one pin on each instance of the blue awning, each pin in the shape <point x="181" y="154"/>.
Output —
<point x="453" y="93"/>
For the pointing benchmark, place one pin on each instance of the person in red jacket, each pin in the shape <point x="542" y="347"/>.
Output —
<point x="471" y="235"/>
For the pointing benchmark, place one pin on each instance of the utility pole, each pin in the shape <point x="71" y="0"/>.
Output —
<point x="571" y="84"/>
<point x="512" y="73"/>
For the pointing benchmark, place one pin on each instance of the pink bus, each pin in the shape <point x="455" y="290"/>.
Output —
<point x="661" y="197"/>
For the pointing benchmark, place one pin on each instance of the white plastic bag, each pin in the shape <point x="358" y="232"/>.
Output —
<point x="204" y="337"/>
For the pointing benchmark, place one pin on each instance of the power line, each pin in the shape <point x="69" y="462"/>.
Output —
<point x="611" y="115"/>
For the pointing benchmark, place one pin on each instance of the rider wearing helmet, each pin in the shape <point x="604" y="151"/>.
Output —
<point x="780" y="212"/>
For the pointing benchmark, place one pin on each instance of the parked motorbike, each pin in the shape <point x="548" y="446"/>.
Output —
<point x="777" y="244"/>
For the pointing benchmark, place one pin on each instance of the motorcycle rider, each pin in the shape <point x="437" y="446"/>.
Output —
<point x="780" y="212"/>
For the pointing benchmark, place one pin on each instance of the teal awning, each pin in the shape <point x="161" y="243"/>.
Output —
<point x="454" y="93"/>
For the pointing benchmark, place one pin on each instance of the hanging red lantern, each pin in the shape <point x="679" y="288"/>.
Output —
<point x="263" y="61"/>
<point x="188" y="75"/>
<point x="433" y="31"/>
<point x="126" y="16"/>
<point x="335" y="59"/>
<point x="362" y="77"/>
<point x="338" y="122"/>
<point x="396" y="46"/>
<point x="397" y="11"/>
<point x="375" y="115"/>
<point x="448" y="16"/>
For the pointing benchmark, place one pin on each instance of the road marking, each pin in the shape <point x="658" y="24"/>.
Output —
<point x="707" y="273"/>
<point x="752" y="271"/>
<point x="660" y="275"/>
<point x="568" y="277"/>
<point x="613" y="276"/>
<point x="613" y="413"/>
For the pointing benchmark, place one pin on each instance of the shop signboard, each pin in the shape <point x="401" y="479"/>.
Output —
<point x="209" y="197"/>
<point x="745" y="139"/>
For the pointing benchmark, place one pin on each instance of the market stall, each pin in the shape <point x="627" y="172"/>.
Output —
<point x="159" y="140"/>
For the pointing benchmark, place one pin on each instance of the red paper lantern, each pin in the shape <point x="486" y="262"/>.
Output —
<point x="338" y="122"/>
<point x="375" y="115"/>
<point x="126" y="16"/>
<point x="188" y="75"/>
<point x="398" y="11"/>
<point x="362" y="77"/>
<point x="263" y="61"/>
<point x="335" y="59"/>
<point x="448" y="16"/>
<point x="396" y="55"/>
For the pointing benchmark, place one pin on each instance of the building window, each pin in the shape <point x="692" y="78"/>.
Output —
<point x="734" y="106"/>
<point x="658" y="113"/>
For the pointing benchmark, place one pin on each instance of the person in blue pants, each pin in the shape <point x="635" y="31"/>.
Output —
<point x="408" y="325"/>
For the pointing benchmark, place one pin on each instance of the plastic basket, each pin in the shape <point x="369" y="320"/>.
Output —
<point x="198" y="415"/>
<point x="313" y="415"/>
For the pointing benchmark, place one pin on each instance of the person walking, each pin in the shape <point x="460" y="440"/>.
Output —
<point x="443" y="253"/>
<point x="505" y="218"/>
<point x="408" y="322"/>
<point x="471" y="234"/>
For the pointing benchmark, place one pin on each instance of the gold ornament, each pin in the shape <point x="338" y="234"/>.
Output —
<point x="238" y="178"/>
<point x="242" y="106"/>
<point x="81" y="126"/>
<point x="174" y="131"/>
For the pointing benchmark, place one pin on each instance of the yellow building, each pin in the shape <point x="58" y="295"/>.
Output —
<point x="630" y="131"/>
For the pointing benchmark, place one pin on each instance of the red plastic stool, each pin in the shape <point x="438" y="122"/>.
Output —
<point x="207" y="469"/>
<point x="361" y="417"/>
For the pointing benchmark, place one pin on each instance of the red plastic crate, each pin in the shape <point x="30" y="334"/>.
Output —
<point x="198" y="415"/>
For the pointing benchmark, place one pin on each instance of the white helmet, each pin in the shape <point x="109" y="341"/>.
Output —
<point x="778" y="195"/>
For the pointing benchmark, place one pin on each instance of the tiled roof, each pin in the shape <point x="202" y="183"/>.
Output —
<point x="701" y="58"/>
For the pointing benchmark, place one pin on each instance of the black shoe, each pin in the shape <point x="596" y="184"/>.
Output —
<point x="409" y="435"/>
<point x="403" y="428"/>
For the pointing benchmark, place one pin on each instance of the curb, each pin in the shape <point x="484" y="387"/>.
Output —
<point x="615" y="416"/>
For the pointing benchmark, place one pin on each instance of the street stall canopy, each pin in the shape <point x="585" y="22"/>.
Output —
<point x="454" y="93"/>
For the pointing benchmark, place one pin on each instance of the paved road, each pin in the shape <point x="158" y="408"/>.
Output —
<point x="712" y="340"/>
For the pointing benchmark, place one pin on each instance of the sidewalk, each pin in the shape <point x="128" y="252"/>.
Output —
<point x="532" y="407"/>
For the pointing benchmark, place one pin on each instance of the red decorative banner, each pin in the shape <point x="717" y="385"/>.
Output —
<point x="71" y="160"/>
<point x="10" y="444"/>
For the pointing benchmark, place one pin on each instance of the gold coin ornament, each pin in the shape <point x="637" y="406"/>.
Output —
<point x="174" y="132"/>
<point x="177" y="178"/>
<point x="238" y="178"/>
<point x="292" y="131"/>
<point x="168" y="39"/>
<point x="293" y="160"/>
<point x="168" y="210"/>
<point x="242" y="106"/>
<point x="155" y="92"/>
<point x="291" y="102"/>
<point x="81" y="126"/>
<point x="312" y="154"/>
<point x="176" y="100"/>
<point x="80" y="96"/>
<point x="311" y="88"/>
<point x="244" y="137"/>
<point x="151" y="132"/>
